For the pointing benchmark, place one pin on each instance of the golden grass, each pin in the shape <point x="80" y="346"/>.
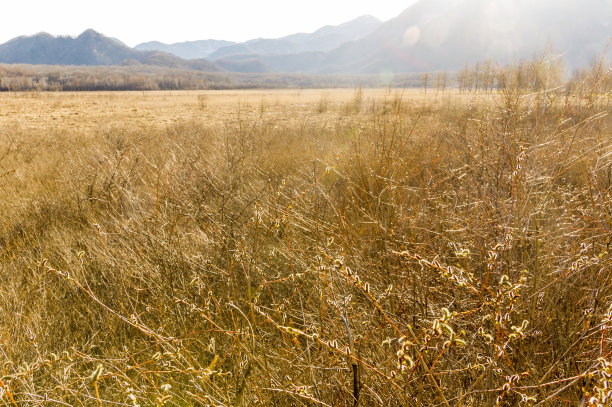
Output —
<point x="305" y="247"/>
<point x="89" y="110"/>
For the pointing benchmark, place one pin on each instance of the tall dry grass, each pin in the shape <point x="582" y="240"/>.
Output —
<point x="374" y="252"/>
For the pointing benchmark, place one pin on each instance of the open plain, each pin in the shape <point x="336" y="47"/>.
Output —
<point x="305" y="247"/>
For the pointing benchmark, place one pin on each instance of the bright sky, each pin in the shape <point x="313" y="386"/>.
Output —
<point x="136" y="21"/>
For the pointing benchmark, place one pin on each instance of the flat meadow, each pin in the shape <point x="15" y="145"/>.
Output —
<point x="306" y="247"/>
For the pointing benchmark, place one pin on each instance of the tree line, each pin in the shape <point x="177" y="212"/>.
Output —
<point x="22" y="78"/>
<point x="542" y="74"/>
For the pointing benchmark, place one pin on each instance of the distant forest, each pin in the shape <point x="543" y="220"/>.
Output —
<point x="482" y="77"/>
<point x="20" y="78"/>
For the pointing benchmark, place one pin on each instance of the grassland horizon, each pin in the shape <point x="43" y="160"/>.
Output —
<point x="332" y="247"/>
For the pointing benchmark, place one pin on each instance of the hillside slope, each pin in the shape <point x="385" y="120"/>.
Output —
<point x="446" y="34"/>
<point x="89" y="48"/>
<point x="324" y="39"/>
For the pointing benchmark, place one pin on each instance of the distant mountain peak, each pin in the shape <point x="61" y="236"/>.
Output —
<point x="152" y="43"/>
<point x="186" y="49"/>
<point x="43" y="34"/>
<point x="364" y="18"/>
<point x="90" y="33"/>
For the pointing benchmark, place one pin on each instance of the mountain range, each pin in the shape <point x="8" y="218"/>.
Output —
<point x="187" y="49"/>
<point x="89" y="48"/>
<point x="429" y="35"/>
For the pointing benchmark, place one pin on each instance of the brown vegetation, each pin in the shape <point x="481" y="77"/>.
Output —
<point x="23" y="78"/>
<point x="313" y="248"/>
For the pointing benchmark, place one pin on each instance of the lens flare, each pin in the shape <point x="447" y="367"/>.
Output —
<point x="411" y="36"/>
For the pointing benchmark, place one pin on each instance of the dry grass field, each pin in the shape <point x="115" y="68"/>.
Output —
<point x="306" y="247"/>
<point x="88" y="111"/>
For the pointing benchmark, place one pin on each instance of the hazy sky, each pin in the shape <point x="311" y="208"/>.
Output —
<point x="135" y="21"/>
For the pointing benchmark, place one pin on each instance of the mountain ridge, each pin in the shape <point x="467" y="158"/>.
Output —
<point x="447" y="34"/>
<point x="429" y="35"/>
<point x="186" y="49"/>
<point x="324" y="39"/>
<point x="88" y="48"/>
